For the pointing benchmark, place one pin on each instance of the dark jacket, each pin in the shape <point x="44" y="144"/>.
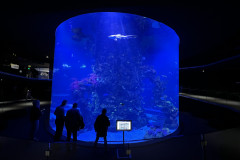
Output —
<point x="74" y="121"/>
<point x="35" y="114"/>
<point x="101" y="125"/>
<point x="60" y="113"/>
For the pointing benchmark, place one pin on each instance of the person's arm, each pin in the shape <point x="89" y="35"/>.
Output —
<point x="96" y="124"/>
<point x="55" y="112"/>
<point x="66" y="118"/>
<point x="108" y="121"/>
<point x="68" y="114"/>
<point x="39" y="112"/>
<point x="63" y="113"/>
<point x="82" y="122"/>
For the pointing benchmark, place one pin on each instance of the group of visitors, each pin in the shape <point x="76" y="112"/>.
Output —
<point x="74" y="122"/>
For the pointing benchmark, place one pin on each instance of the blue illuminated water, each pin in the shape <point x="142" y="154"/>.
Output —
<point x="125" y="63"/>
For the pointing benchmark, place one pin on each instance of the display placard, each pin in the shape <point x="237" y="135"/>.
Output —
<point x="14" y="66"/>
<point x="124" y="125"/>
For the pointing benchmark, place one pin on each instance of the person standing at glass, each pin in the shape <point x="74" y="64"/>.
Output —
<point x="101" y="126"/>
<point x="60" y="119"/>
<point x="74" y="122"/>
<point x="29" y="95"/>
<point x="35" y="115"/>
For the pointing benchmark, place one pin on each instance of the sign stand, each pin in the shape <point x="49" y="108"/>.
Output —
<point x="124" y="153"/>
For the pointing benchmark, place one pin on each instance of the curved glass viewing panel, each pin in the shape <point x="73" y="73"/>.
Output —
<point x="123" y="62"/>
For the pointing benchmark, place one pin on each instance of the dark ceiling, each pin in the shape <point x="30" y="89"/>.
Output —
<point x="208" y="31"/>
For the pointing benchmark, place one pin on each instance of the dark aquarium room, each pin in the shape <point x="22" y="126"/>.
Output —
<point x="117" y="80"/>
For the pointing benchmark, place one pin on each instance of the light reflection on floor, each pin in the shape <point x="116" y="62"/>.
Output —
<point x="231" y="103"/>
<point x="22" y="104"/>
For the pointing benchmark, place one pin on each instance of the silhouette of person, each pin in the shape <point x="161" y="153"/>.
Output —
<point x="35" y="115"/>
<point x="29" y="95"/>
<point x="101" y="126"/>
<point x="74" y="122"/>
<point x="60" y="119"/>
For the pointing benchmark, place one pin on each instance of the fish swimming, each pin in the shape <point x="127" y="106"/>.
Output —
<point x="115" y="37"/>
<point x="164" y="76"/>
<point x="66" y="66"/>
<point x="83" y="66"/>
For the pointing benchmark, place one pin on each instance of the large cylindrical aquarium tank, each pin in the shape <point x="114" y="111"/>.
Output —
<point x="126" y="63"/>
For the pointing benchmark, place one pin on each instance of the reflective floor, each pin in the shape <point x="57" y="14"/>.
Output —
<point x="219" y="101"/>
<point x="219" y="125"/>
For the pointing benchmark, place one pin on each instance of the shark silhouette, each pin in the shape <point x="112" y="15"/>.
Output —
<point x="115" y="37"/>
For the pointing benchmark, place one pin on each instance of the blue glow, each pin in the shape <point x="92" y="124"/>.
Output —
<point x="125" y="63"/>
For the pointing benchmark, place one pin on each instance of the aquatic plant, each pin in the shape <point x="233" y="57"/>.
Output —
<point x="118" y="87"/>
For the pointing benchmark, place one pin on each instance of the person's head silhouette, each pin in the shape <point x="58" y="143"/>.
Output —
<point x="74" y="105"/>
<point x="64" y="102"/>
<point x="104" y="111"/>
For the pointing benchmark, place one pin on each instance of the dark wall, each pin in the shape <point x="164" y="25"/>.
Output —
<point x="220" y="79"/>
<point x="15" y="88"/>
